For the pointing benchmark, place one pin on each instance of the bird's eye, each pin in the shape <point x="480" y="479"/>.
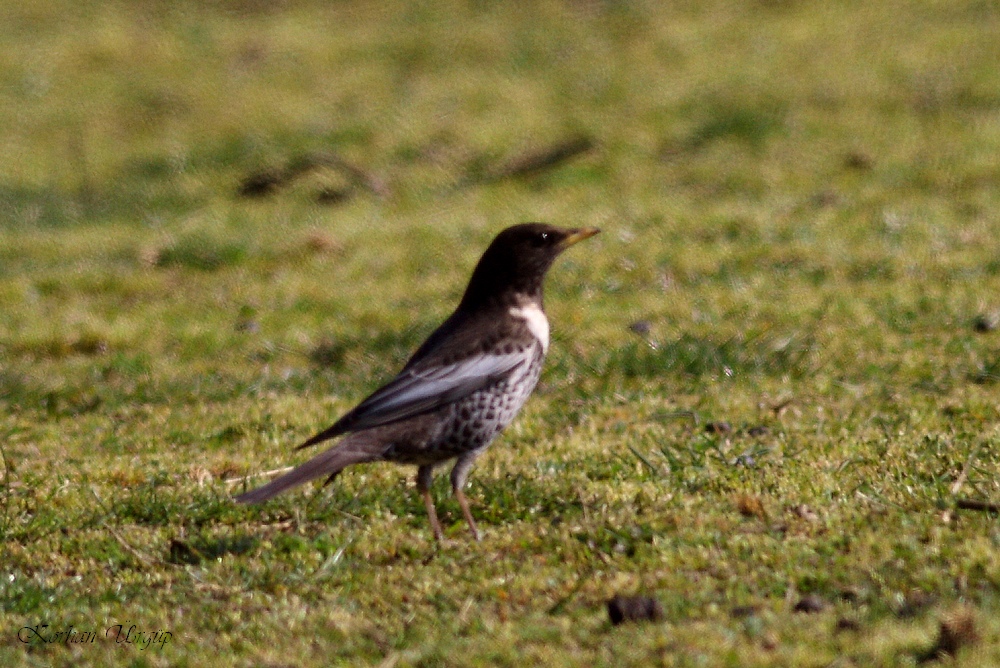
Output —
<point x="542" y="239"/>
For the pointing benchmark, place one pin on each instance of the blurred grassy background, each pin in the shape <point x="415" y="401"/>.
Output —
<point x="223" y="223"/>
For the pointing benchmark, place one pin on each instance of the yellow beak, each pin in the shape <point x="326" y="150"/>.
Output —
<point x="579" y="235"/>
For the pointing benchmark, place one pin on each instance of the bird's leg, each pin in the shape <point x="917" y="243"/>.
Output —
<point x="424" y="477"/>
<point x="464" y="503"/>
<point x="458" y="477"/>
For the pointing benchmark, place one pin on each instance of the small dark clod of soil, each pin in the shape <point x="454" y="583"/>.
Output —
<point x="332" y="196"/>
<point x="810" y="604"/>
<point x="845" y="624"/>
<point x="261" y="184"/>
<point x="986" y="322"/>
<point x="641" y="327"/>
<point x="858" y="160"/>
<point x="634" y="609"/>
<point x="182" y="553"/>
<point x="718" y="427"/>
<point x="742" y="611"/>
<point x="957" y="630"/>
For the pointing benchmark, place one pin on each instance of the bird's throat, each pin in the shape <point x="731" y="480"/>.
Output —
<point x="534" y="318"/>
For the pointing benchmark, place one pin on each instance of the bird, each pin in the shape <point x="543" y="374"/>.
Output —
<point x="462" y="386"/>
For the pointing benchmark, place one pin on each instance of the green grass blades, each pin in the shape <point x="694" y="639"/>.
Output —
<point x="771" y="400"/>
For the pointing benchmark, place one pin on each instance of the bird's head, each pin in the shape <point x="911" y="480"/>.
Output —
<point x="517" y="259"/>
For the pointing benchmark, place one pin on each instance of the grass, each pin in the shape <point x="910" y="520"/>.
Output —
<point x="799" y="210"/>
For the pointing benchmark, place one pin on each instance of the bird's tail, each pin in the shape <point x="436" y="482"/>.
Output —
<point x="352" y="450"/>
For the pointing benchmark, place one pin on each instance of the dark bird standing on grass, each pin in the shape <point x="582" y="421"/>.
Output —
<point x="463" y="385"/>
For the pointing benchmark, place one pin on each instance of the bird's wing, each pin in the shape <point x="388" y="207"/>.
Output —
<point x="421" y="390"/>
<point x="418" y="390"/>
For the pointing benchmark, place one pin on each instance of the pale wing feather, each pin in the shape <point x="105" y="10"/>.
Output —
<point x="420" y="390"/>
